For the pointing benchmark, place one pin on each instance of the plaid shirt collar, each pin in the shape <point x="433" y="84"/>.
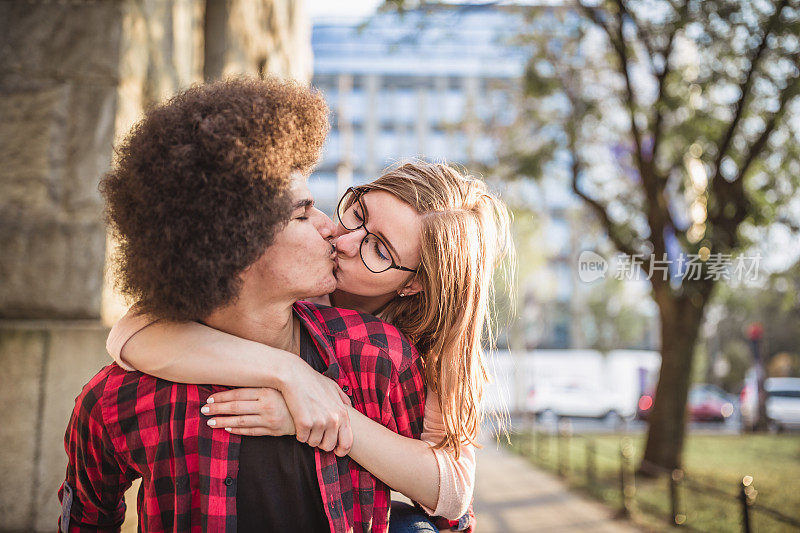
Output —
<point x="127" y="425"/>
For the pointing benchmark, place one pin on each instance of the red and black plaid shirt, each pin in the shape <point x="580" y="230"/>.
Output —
<point x="128" y="425"/>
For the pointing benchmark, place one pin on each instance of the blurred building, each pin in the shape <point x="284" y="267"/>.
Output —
<point x="433" y="83"/>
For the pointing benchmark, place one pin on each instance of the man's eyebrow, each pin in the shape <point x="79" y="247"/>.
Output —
<point x="378" y="233"/>
<point x="305" y="202"/>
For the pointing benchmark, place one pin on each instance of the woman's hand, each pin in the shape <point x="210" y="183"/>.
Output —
<point x="248" y="411"/>
<point x="263" y="411"/>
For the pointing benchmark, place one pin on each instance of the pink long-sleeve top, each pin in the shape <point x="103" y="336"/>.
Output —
<point x="456" y="477"/>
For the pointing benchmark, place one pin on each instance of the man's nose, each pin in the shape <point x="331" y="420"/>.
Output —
<point x="323" y="224"/>
<point x="347" y="243"/>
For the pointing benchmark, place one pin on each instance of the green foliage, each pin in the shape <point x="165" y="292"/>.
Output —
<point x="627" y="91"/>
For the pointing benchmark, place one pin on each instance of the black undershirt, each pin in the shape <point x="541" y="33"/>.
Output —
<point x="277" y="486"/>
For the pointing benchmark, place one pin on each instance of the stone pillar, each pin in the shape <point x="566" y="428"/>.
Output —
<point x="268" y="36"/>
<point x="77" y="75"/>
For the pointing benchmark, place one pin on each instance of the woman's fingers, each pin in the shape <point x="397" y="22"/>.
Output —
<point x="250" y="432"/>
<point x="246" y="393"/>
<point x="245" y="421"/>
<point x="234" y="407"/>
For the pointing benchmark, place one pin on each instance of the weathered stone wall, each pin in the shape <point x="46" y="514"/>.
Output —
<point x="45" y="365"/>
<point x="58" y="101"/>
<point x="75" y="75"/>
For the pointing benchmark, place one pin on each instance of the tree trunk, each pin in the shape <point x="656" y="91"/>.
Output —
<point x="681" y="318"/>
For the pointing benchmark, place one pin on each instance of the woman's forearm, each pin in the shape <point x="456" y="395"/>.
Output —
<point x="407" y="465"/>
<point x="189" y="352"/>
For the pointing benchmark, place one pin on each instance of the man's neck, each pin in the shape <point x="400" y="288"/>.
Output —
<point x="270" y="324"/>
<point x="363" y="304"/>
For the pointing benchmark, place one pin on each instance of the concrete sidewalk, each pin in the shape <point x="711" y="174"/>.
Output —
<point x="512" y="495"/>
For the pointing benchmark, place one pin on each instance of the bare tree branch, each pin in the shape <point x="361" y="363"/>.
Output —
<point x="732" y="193"/>
<point x="661" y="79"/>
<point x="648" y="46"/>
<point x="744" y="89"/>
<point x="624" y="68"/>
<point x="594" y="15"/>
<point x="571" y="126"/>
<point x="600" y="210"/>
<point x="656" y="206"/>
<point x="759" y="144"/>
<point x="657" y="212"/>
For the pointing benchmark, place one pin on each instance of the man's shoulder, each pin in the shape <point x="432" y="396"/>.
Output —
<point x="363" y="327"/>
<point x="110" y="377"/>
<point x="115" y="387"/>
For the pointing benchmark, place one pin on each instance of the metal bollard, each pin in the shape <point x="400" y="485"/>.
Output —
<point x="545" y="446"/>
<point x="747" y="493"/>
<point x="564" y="433"/>
<point x="532" y="444"/>
<point x="591" y="467"/>
<point x="626" y="484"/>
<point x="676" y="476"/>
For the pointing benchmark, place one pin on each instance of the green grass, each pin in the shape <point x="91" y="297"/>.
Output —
<point x="719" y="461"/>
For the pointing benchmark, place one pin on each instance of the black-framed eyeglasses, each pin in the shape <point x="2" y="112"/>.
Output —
<point x="375" y="254"/>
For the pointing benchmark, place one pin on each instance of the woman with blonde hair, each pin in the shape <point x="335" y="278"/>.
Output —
<point x="417" y="247"/>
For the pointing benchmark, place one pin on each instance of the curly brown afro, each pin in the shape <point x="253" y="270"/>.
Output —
<point x="201" y="186"/>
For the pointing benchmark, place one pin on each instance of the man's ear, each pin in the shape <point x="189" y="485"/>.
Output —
<point x="411" y="288"/>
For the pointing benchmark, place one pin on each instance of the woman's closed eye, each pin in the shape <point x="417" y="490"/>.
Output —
<point x="381" y="251"/>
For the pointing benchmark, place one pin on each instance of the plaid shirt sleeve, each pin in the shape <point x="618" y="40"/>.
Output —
<point x="405" y="401"/>
<point x="92" y="494"/>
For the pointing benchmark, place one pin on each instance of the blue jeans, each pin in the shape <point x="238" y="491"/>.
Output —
<point x="406" y="518"/>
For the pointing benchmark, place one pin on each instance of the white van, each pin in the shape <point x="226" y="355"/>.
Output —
<point x="783" y="402"/>
<point x="573" y="400"/>
<point x="580" y="383"/>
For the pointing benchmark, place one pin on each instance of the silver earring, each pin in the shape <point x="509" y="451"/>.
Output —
<point x="402" y="294"/>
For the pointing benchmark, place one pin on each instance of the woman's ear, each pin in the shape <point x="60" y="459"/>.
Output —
<point x="410" y="288"/>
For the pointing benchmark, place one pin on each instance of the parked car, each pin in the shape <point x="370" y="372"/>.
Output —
<point x="551" y="402"/>
<point x="782" y="402"/>
<point x="706" y="403"/>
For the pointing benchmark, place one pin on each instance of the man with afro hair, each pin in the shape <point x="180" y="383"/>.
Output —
<point x="214" y="222"/>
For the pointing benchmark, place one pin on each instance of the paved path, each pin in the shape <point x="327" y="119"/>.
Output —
<point x="513" y="496"/>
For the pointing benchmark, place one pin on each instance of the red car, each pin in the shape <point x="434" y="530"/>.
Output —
<point x="707" y="403"/>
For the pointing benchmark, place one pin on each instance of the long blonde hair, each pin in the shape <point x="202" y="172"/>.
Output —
<point x="465" y="236"/>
